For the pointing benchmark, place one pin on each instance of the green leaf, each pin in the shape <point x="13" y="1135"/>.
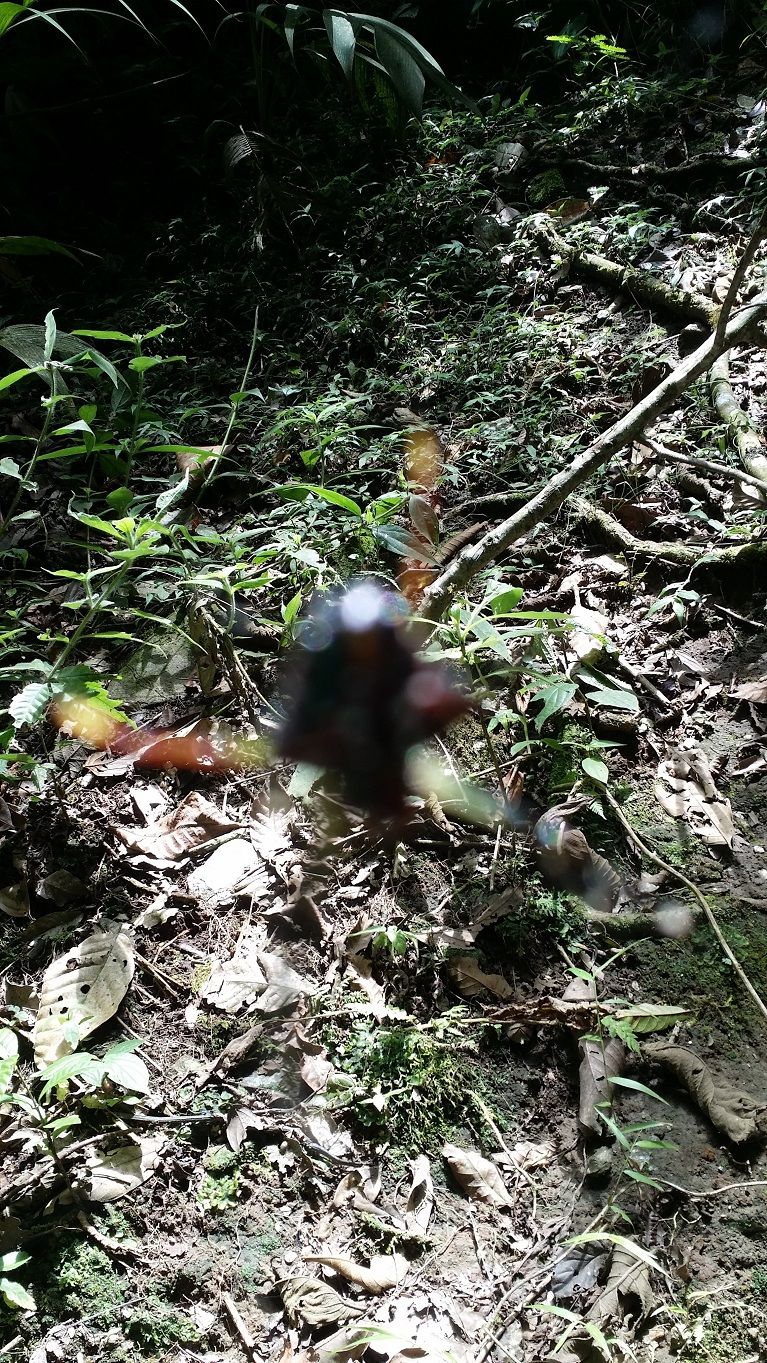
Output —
<point x="14" y="1294"/>
<point x="50" y="336"/>
<point x="343" y="39"/>
<point x="8" y="380"/>
<point x="293" y="16"/>
<point x="304" y="777"/>
<point x="554" y="698"/>
<point x="31" y="246"/>
<point x="404" y="71"/>
<point x="13" y="1260"/>
<point x="598" y="771"/>
<point x="140" y="363"/>
<point x="8" y="13"/>
<point x="637" y="1087"/>
<point x="299" y="491"/>
<point x="10" y="469"/>
<point x="505" y="600"/>
<point x="639" y="1177"/>
<point x="127" y="1071"/>
<point x="652" y="1017"/>
<point x="9" y="1054"/>
<point x="30" y="704"/>
<point x="104" y="335"/>
<point x="619" y="699"/>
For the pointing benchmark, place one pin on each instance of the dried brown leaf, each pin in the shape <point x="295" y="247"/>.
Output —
<point x="732" y="1111"/>
<point x="310" y="1301"/>
<point x="383" y="1272"/>
<point x="83" y="989"/>
<point x="470" y="980"/>
<point x="478" y="1176"/>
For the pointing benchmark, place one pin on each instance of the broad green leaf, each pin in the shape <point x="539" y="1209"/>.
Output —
<point x="13" y="1260"/>
<point x="101" y="362"/>
<point x="405" y="73"/>
<point x="14" y="1294"/>
<point x="343" y="39"/>
<point x="30" y="704"/>
<point x="10" y="469"/>
<point x="505" y="600"/>
<point x="598" y="771"/>
<point x="304" y="777"/>
<point x="299" y="491"/>
<point x="293" y="16"/>
<point x="128" y="1072"/>
<point x="652" y="1017"/>
<point x="8" y="13"/>
<point x="614" y="700"/>
<point x="428" y="65"/>
<point x="554" y="698"/>
<point x="104" y="335"/>
<point x="31" y="246"/>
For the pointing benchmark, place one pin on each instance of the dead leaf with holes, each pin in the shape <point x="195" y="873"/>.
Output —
<point x="685" y="789"/>
<point x="470" y="980"/>
<point x="598" y="1066"/>
<point x="113" y="1173"/>
<point x="384" y="1271"/>
<point x="739" y="1115"/>
<point x="478" y="1176"/>
<point x="169" y="840"/>
<point x="312" y="1302"/>
<point x="627" y="1290"/>
<point x="81" y="990"/>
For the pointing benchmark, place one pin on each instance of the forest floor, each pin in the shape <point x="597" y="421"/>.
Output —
<point x="364" y="1116"/>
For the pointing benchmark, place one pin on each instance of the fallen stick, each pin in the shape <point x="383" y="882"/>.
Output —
<point x="474" y="557"/>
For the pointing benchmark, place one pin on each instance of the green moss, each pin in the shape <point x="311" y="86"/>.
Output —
<point x="695" y="973"/>
<point x="220" y="1185"/>
<point x="155" y="1327"/>
<point x="76" y="1278"/>
<point x="545" y="187"/>
<point x="414" y="1086"/>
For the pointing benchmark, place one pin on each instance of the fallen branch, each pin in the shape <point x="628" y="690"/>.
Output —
<point x="486" y="550"/>
<point x="707" y="465"/>
<point x="748" y="441"/>
<point x="616" y="533"/>
<point x="646" y="288"/>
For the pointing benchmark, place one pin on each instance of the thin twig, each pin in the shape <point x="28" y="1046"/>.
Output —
<point x="708" y="465"/>
<point x="739" y="274"/>
<point x="699" y="895"/>
<point x="714" y="1192"/>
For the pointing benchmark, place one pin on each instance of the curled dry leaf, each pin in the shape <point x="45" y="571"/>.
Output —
<point x="737" y="1114"/>
<point x="566" y="859"/>
<point x="470" y="980"/>
<point x="310" y="1301"/>
<point x="685" y="789"/>
<point x="114" y="1173"/>
<point x="627" y="1290"/>
<point x="82" y="989"/>
<point x="359" y="975"/>
<point x="195" y="822"/>
<point x="478" y="1176"/>
<point x="383" y="1272"/>
<point x="755" y="692"/>
<point x="597" y="1067"/>
<point x="253" y="977"/>
<point x="420" y="1202"/>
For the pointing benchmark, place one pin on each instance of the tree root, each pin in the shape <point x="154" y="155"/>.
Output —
<point x="748" y="441"/>
<point x="684" y="554"/>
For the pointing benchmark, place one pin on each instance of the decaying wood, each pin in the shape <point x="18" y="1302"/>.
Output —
<point x="748" y="441"/>
<point x="471" y="560"/>
<point x="686" y="555"/>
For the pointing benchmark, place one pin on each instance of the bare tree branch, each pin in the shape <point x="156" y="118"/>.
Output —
<point x="485" y="551"/>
